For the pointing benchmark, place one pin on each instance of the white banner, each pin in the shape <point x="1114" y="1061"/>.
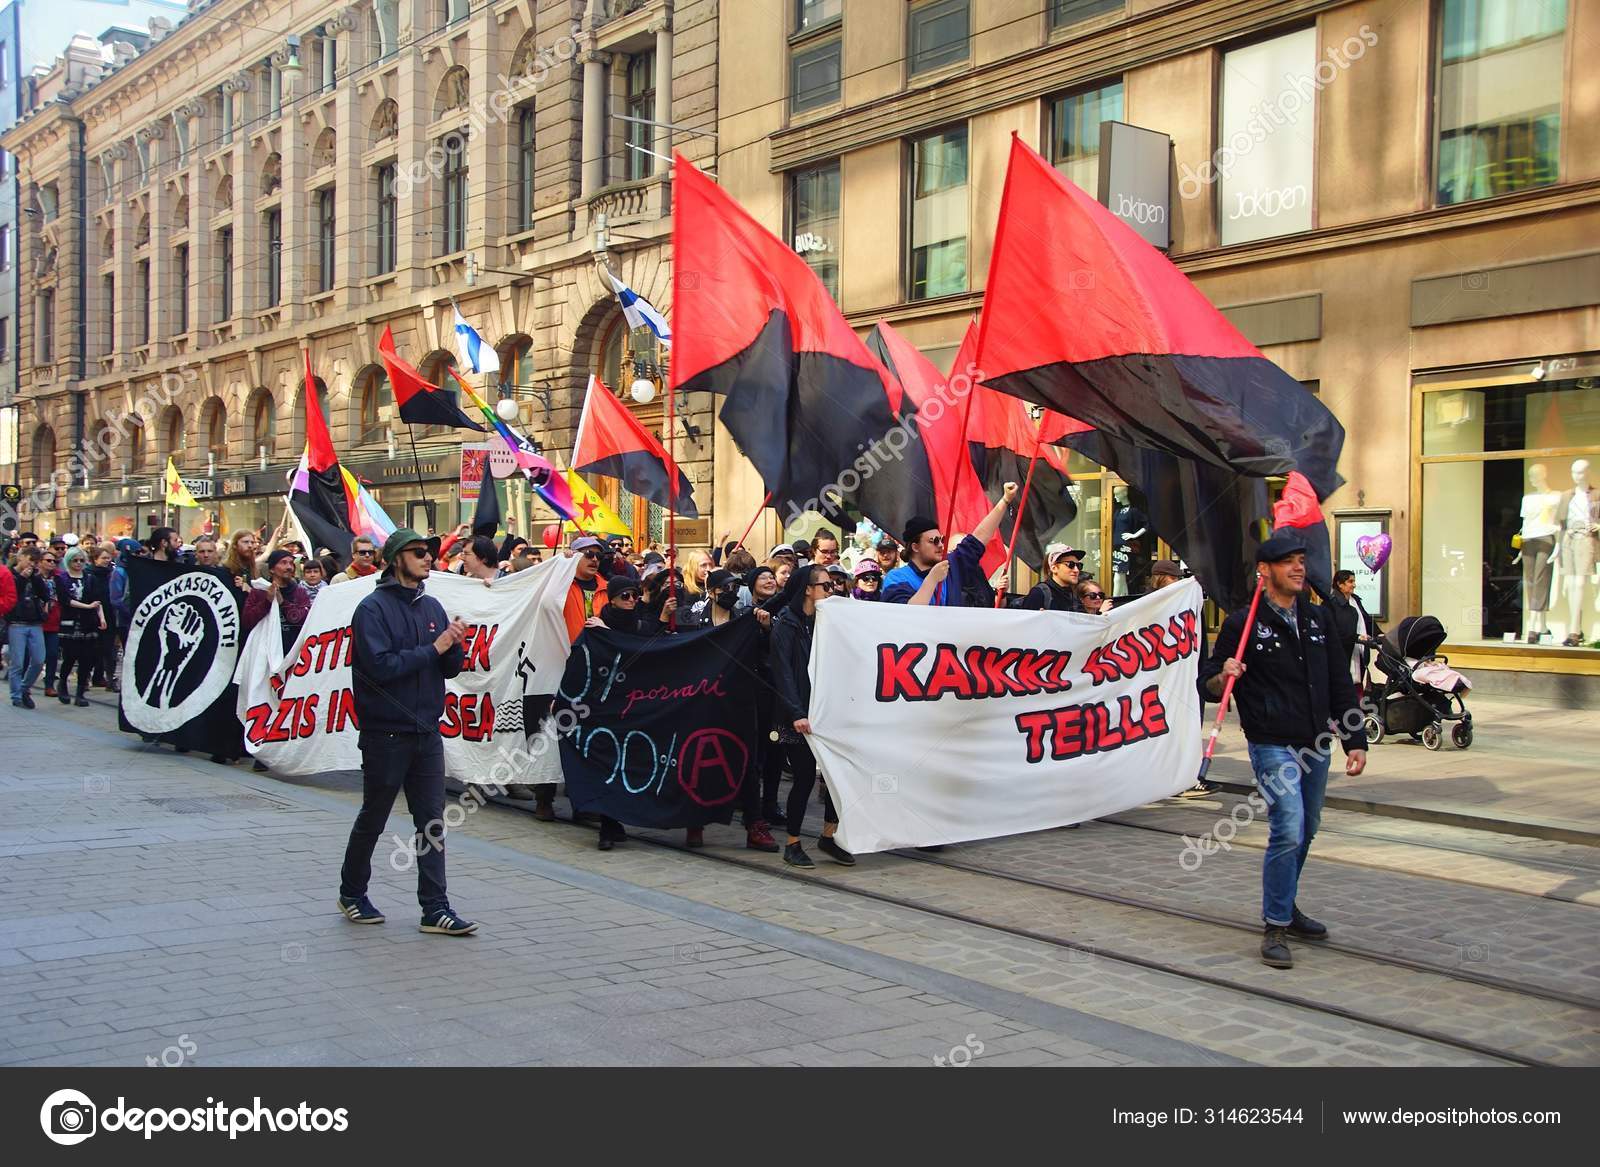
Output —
<point x="300" y="719"/>
<point x="940" y="725"/>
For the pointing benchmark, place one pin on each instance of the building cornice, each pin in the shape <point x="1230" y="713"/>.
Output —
<point x="1035" y="73"/>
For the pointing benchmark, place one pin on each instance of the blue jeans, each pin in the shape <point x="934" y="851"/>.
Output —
<point x="27" y="657"/>
<point x="391" y="762"/>
<point x="1294" y="781"/>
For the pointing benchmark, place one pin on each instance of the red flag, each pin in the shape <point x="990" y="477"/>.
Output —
<point x="1083" y="315"/>
<point x="420" y="402"/>
<point x="963" y="507"/>
<point x="611" y="441"/>
<point x="319" y="445"/>
<point x="804" y="400"/>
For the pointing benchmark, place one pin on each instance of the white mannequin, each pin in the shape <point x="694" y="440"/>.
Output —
<point x="1579" y="515"/>
<point x="1541" y="534"/>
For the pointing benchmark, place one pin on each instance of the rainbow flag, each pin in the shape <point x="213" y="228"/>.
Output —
<point x="547" y="481"/>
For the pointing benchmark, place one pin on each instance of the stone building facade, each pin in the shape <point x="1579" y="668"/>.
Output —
<point x="273" y="178"/>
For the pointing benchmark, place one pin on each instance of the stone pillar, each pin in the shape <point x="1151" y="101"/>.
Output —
<point x="596" y="77"/>
<point x="202" y="248"/>
<point x="355" y="197"/>
<point x="249" y="254"/>
<point x="663" y="82"/>
<point x="418" y="239"/>
<point x="490" y="161"/>
<point x="160" y="210"/>
<point x="299" y="226"/>
<point x="121" y="254"/>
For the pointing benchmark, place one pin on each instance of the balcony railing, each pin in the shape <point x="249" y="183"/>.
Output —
<point x="623" y="203"/>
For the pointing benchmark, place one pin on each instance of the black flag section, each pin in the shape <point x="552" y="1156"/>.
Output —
<point x="664" y="727"/>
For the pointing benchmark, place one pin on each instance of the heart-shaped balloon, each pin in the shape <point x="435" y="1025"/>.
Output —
<point x="1373" y="550"/>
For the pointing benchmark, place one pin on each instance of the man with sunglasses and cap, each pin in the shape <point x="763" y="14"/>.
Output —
<point x="1291" y="686"/>
<point x="929" y="576"/>
<point x="405" y="649"/>
<point x="1058" y="591"/>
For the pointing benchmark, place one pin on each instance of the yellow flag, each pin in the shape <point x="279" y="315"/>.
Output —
<point x="177" y="493"/>
<point x="590" y="513"/>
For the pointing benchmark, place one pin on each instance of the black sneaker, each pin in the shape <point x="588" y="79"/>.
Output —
<point x="360" y="911"/>
<point x="835" y="852"/>
<point x="82" y="702"/>
<point x="27" y="702"/>
<point x="1305" y="928"/>
<point x="446" y="923"/>
<point x="795" y="856"/>
<point x="1275" y="947"/>
<point x="64" y="698"/>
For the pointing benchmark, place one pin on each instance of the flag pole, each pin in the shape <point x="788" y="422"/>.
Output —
<point x="672" y="505"/>
<point x="416" y="460"/>
<point x="961" y="452"/>
<point x="1022" y="508"/>
<point x="765" y="499"/>
<point x="1227" y="688"/>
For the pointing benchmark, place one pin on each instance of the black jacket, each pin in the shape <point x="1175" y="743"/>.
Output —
<point x="1293" y="685"/>
<point x="1051" y="596"/>
<point x="1350" y="620"/>
<point x="33" y="598"/>
<point x="791" y="653"/>
<point x="398" y="676"/>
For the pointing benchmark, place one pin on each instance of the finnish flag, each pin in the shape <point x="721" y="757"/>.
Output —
<point x="475" y="355"/>
<point x="640" y="312"/>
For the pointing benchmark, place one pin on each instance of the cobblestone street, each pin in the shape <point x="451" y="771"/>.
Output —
<point x="164" y="909"/>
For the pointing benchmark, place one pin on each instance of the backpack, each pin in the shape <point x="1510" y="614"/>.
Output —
<point x="119" y="592"/>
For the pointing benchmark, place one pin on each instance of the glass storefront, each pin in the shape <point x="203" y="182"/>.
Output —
<point x="1509" y="509"/>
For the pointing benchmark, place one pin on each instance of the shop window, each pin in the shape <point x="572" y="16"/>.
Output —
<point x="1509" y="500"/>
<point x="1501" y="73"/>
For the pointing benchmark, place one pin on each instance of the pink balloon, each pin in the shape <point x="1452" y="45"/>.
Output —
<point x="1373" y="550"/>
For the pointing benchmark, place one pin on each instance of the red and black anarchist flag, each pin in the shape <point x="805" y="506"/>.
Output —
<point x="814" y="411"/>
<point x="317" y="491"/>
<point x="420" y="401"/>
<point x="939" y="411"/>
<point x="1298" y="513"/>
<point x="611" y="441"/>
<point x="1084" y="316"/>
<point x="1003" y="438"/>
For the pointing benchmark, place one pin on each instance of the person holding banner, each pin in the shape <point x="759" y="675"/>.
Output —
<point x="405" y="649"/>
<point x="1293" y="684"/>
<point x="929" y="576"/>
<point x="792" y="633"/>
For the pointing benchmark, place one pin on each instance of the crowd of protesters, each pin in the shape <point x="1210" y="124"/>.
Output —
<point x="67" y="611"/>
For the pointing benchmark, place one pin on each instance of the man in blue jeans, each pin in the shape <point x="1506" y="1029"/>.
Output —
<point x="28" y="597"/>
<point x="405" y="648"/>
<point x="1294" y="694"/>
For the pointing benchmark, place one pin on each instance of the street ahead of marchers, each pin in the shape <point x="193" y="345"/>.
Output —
<point x="165" y="911"/>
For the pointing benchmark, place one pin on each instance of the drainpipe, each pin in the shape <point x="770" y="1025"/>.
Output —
<point x="80" y="403"/>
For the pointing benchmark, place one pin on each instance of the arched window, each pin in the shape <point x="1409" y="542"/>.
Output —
<point x="136" y="443"/>
<point x="435" y="370"/>
<point x="214" y="426"/>
<point x="174" y="439"/>
<point x="263" y="416"/>
<point x="376" y="399"/>
<point x="44" y="454"/>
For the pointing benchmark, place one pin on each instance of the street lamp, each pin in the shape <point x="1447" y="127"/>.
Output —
<point x="507" y="409"/>
<point x="643" y="391"/>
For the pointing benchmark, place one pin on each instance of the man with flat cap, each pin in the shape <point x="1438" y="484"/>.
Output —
<point x="956" y="580"/>
<point x="405" y="649"/>
<point x="1293" y="693"/>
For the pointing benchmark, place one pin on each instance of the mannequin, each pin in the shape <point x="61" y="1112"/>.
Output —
<point x="1540" y="529"/>
<point x="1130" y="542"/>
<point x="1578" y="512"/>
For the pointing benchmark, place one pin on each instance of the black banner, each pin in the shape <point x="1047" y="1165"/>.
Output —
<point x="660" y="731"/>
<point x="177" y="667"/>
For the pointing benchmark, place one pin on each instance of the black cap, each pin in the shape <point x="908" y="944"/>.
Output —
<point x="622" y="586"/>
<point x="916" y="527"/>
<point x="278" y="557"/>
<point x="1279" y="548"/>
<point x="720" y="579"/>
<point x="802" y="548"/>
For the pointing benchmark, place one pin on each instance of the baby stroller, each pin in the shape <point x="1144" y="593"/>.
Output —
<point x="1421" y="691"/>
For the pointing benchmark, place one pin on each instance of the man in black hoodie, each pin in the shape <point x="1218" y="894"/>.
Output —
<point x="1291" y="686"/>
<point x="405" y="648"/>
